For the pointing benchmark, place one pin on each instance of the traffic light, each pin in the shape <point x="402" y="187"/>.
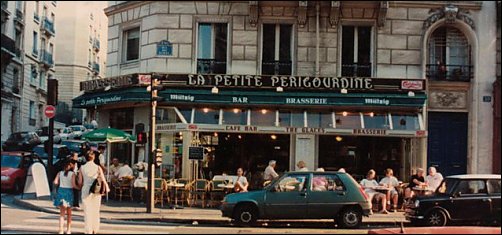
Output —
<point x="156" y="87"/>
<point x="141" y="138"/>
<point x="52" y="91"/>
<point x="158" y="156"/>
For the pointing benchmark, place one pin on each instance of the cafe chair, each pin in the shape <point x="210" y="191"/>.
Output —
<point x="183" y="192"/>
<point x="199" y="189"/>
<point x="160" y="185"/>
<point x="215" y="191"/>
<point x="123" y="187"/>
<point x="169" y="191"/>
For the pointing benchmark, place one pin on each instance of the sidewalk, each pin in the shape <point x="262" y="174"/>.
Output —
<point x="126" y="212"/>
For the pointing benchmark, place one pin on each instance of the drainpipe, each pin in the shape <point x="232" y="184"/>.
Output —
<point x="317" y="7"/>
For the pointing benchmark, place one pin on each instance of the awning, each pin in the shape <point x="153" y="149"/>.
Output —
<point x="229" y="97"/>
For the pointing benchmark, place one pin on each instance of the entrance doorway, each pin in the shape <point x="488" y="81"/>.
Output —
<point x="447" y="143"/>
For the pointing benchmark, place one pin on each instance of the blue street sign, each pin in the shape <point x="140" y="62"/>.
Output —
<point x="164" y="48"/>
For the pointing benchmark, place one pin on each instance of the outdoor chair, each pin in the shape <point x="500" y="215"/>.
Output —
<point x="199" y="189"/>
<point x="160" y="186"/>
<point x="123" y="187"/>
<point x="183" y="192"/>
<point x="215" y="192"/>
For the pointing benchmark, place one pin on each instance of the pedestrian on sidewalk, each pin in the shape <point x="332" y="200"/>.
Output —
<point x="76" y="191"/>
<point x="65" y="180"/>
<point x="91" y="202"/>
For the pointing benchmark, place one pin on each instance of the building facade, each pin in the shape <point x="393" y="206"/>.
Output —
<point x="83" y="44"/>
<point x="358" y="85"/>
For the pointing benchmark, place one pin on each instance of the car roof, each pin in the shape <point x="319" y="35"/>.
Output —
<point x="55" y="145"/>
<point x="75" y="141"/>
<point x="322" y="172"/>
<point x="474" y="176"/>
<point x="15" y="153"/>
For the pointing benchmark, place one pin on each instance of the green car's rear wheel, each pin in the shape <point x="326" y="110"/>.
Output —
<point x="350" y="218"/>
<point x="245" y="215"/>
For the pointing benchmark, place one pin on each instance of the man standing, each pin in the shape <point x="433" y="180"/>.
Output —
<point x="270" y="173"/>
<point x="434" y="179"/>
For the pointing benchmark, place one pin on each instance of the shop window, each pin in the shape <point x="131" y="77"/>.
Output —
<point x="212" y="48"/>
<point x="235" y="116"/>
<point x="284" y="118"/>
<point x="405" y="122"/>
<point x="167" y="115"/>
<point x="276" y="50"/>
<point x="347" y="120"/>
<point x="297" y="119"/>
<point x="449" y="56"/>
<point x="207" y="116"/>
<point x="263" y="117"/>
<point x="187" y="113"/>
<point x="356" y="51"/>
<point x="376" y="121"/>
<point x="122" y="119"/>
<point x="131" y="42"/>
<point x="320" y="119"/>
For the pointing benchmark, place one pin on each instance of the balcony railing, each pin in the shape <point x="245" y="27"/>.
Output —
<point x="462" y="73"/>
<point x="19" y="14"/>
<point x="8" y="45"/>
<point x="276" y="67"/>
<point x="96" y="44"/>
<point x="48" y="27"/>
<point x="46" y="58"/>
<point x="36" y="17"/>
<point x="356" y="70"/>
<point x="211" y="66"/>
<point x="95" y="68"/>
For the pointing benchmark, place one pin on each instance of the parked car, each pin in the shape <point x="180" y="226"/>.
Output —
<point x="15" y="167"/>
<point x="297" y="195"/>
<point x="21" y="141"/>
<point x="438" y="230"/>
<point x="66" y="133"/>
<point x="60" y="152"/>
<point x="43" y="133"/>
<point x="78" y="131"/>
<point x="460" y="199"/>
<point x="75" y="145"/>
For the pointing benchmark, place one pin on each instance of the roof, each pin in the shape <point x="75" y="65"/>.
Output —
<point x="475" y="176"/>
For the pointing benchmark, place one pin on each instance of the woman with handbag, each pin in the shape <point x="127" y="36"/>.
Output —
<point x="94" y="185"/>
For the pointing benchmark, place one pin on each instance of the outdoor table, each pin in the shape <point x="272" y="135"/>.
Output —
<point x="140" y="184"/>
<point x="422" y="191"/>
<point x="227" y="187"/>
<point x="176" y="186"/>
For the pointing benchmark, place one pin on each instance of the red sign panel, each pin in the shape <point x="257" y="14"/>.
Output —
<point x="50" y="111"/>
<point x="412" y="85"/>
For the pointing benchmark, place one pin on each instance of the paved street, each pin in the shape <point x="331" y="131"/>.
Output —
<point x="17" y="220"/>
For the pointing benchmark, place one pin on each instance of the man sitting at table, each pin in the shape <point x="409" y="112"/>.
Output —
<point x="417" y="180"/>
<point x="124" y="171"/>
<point x="391" y="182"/>
<point x="115" y="166"/>
<point x="241" y="184"/>
<point x="433" y="180"/>
<point x="368" y="185"/>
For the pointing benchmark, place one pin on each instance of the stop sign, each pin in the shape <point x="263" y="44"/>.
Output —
<point x="50" y="111"/>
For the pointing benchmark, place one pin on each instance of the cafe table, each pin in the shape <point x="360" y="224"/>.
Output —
<point x="421" y="190"/>
<point x="175" y="186"/>
<point x="227" y="187"/>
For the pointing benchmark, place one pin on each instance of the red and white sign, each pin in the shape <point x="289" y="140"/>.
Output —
<point x="412" y="85"/>
<point x="50" y="111"/>
<point x="144" y="79"/>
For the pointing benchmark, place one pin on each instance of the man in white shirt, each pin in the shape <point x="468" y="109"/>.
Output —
<point x="270" y="173"/>
<point x="124" y="171"/>
<point x="301" y="166"/>
<point x="434" y="179"/>
<point x="391" y="182"/>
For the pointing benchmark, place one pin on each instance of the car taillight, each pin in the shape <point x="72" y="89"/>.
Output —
<point x="363" y="193"/>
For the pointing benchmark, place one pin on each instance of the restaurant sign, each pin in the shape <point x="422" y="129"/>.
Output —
<point x="111" y="82"/>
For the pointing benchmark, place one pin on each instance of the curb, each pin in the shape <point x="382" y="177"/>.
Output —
<point x="160" y="221"/>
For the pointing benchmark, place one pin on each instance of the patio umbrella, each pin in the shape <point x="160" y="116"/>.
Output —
<point x="109" y="135"/>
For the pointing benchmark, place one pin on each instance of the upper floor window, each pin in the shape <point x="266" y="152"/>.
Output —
<point x="35" y="42"/>
<point x="44" y="11"/>
<point x="32" y="112"/>
<point x="19" y="5"/>
<point x="449" y="56"/>
<point x="356" y="51"/>
<point x="131" y="42"/>
<point x="276" y="51"/>
<point x="212" y="48"/>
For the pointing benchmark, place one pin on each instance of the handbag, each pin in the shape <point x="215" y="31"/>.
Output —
<point x="98" y="186"/>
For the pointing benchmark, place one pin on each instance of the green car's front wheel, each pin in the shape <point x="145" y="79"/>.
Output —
<point x="245" y="215"/>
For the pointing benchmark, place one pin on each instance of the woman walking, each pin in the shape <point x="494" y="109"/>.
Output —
<point x="91" y="202"/>
<point x="65" y="180"/>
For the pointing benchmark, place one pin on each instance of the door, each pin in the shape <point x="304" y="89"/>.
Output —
<point x="447" y="142"/>
<point x="471" y="198"/>
<point x="327" y="195"/>
<point x="287" y="199"/>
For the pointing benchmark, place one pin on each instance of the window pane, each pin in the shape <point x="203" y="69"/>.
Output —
<point x="347" y="50"/>
<point x="348" y="121"/>
<point x="207" y="116"/>
<point x="166" y="115"/>
<point x="235" y="116"/>
<point x="472" y="187"/>
<point x="263" y="117"/>
<point x="204" y="47"/>
<point x="268" y="42"/>
<point x="220" y="51"/>
<point x="297" y="119"/>
<point x="493" y="186"/>
<point x="377" y="121"/>
<point x="285" y="42"/>
<point x="319" y="119"/>
<point x="284" y="118"/>
<point x="405" y="122"/>
<point x="132" y="44"/>
<point x="187" y="114"/>
<point x="364" y="51"/>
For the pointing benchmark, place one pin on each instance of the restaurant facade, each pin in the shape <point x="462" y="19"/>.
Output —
<point x="354" y="85"/>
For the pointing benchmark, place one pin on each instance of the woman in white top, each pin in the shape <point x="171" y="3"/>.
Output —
<point x="368" y="185"/>
<point x="91" y="202"/>
<point x="65" y="180"/>
<point x="391" y="182"/>
<point x="241" y="184"/>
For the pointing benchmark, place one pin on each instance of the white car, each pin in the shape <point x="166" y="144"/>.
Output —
<point x="78" y="131"/>
<point x="66" y="133"/>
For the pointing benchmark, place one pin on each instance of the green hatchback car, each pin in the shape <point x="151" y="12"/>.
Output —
<point x="302" y="195"/>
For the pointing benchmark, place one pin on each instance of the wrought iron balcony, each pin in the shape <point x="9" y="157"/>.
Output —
<point x="356" y="70"/>
<point x="8" y="49"/>
<point x="462" y="73"/>
<point x="211" y="66"/>
<point x="19" y="20"/>
<point x="48" y="27"/>
<point x="95" y="68"/>
<point x="276" y="67"/>
<point x="46" y="59"/>
<point x="96" y="44"/>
